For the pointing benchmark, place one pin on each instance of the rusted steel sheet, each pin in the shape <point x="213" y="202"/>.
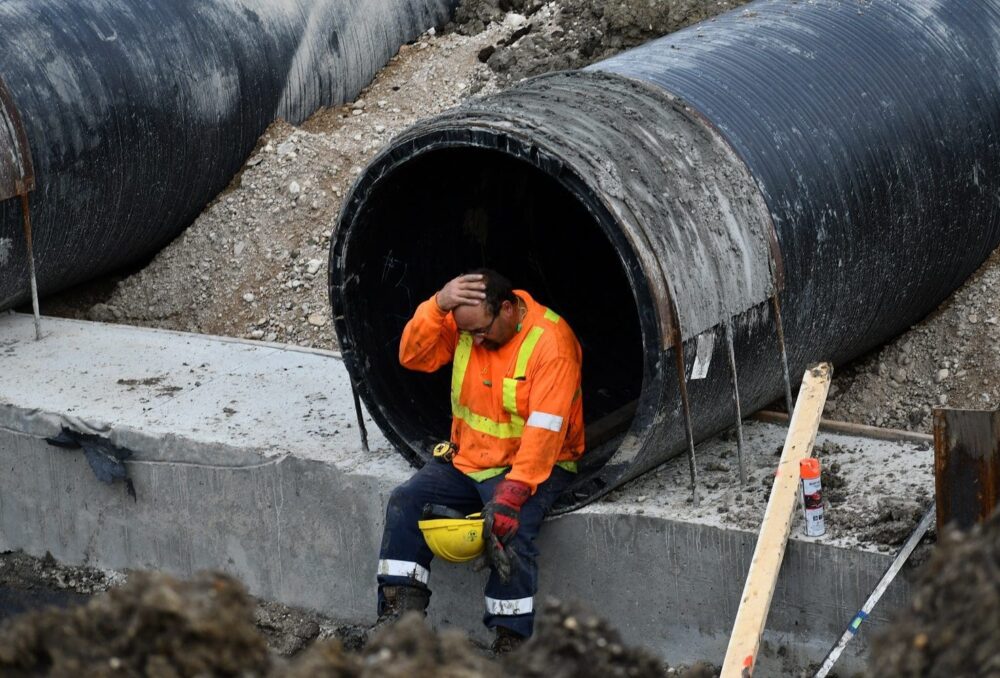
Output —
<point x="17" y="176"/>
<point x="966" y="465"/>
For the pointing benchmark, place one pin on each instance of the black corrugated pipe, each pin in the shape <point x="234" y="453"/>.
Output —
<point x="138" y="113"/>
<point x="840" y="156"/>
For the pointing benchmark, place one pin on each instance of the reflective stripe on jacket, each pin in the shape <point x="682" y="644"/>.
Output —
<point x="519" y="406"/>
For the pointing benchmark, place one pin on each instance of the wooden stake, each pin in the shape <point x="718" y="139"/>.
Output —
<point x="741" y="654"/>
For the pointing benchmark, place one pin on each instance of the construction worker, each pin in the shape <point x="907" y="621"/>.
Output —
<point x="517" y="433"/>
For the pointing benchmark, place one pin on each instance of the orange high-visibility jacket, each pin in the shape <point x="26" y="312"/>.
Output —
<point x="518" y="407"/>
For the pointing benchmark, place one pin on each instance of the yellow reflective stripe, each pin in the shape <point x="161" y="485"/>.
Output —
<point x="524" y="353"/>
<point x="460" y="363"/>
<point x="510" y="396"/>
<point x="477" y="422"/>
<point x="568" y="466"/>
<point x="487" y="473"/>
<point x="497" y="429"/>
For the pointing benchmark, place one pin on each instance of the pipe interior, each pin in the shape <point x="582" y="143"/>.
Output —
<point x="451" y="210"/>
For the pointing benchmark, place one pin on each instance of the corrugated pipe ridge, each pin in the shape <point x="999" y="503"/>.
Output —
<point x="836" y="160"/>
<point x="137" y="114"/>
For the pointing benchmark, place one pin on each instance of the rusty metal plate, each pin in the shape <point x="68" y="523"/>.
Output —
<point x="17" y="177"/>
<point x="966" y="465"/>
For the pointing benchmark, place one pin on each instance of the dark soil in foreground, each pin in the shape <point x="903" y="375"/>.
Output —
<point x="157" y="626"/>
<point x="160" y="627"/>
<point x="952" y="626"/>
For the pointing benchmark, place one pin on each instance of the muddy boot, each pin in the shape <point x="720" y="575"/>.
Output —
<point x="505" y="641"/>
<point x="398" y="600"/>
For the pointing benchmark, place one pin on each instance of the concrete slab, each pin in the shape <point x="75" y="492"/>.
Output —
<point x="247" y="460"/>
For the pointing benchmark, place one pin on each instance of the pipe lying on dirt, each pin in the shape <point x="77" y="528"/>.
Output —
<point x="138" y="114"/>
<point x="840" y="157"/>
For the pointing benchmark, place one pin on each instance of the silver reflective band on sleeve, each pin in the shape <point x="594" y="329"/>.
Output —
<point x="510" y="607"/>
<point x="545" y="420"/>
<point x="403" y="568"/>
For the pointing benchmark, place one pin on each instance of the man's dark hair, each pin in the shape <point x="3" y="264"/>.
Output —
<point x="498" y="289"/>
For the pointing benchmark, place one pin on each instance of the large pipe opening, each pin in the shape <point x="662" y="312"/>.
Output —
<point x="504" y="212"/>
<point x="598" y="220"/>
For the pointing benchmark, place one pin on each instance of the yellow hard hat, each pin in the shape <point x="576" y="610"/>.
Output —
<point x="456" y="540"/>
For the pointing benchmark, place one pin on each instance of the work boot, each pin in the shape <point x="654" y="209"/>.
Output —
<point x="505" y="641"/>
<point x="397" y="601"/>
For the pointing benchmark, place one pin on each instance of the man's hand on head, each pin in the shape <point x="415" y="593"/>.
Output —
<point x="465" y="290"/>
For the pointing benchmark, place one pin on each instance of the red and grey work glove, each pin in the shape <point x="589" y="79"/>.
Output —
<point x="502" y="515"/>
<point x="501" y="519"/>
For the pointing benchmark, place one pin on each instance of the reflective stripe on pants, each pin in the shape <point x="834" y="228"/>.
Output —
<point x="507" y="608"/>
<point x="403" y="568"/>
<point x="437" y="483"/>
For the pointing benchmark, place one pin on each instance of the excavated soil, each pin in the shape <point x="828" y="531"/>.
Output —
<point x="952" y="626"/>
<point x="158" y="626"/>
<point x="155" y="625"/>
<point x="28" y="584"/>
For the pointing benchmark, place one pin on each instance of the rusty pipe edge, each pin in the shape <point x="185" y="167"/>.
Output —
<point x="17" y="173"/>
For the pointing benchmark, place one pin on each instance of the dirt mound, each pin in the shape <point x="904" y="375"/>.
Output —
<point x="152" y="626"/>
<point x="951" y="358"/>
<point x="158" y="626"/>
<point x="952" y="626"/>
<point x="407" y="649"/>
<point x="572" y="642"/>
<point x="574" y="33"/>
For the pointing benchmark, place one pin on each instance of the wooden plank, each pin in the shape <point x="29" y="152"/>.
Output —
<point x="851" y="429"/>
<point x="741" y="655"/>
<point x="966" y="466"/>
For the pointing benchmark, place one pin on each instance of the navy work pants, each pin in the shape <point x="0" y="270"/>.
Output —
<point x="405" y="558"/>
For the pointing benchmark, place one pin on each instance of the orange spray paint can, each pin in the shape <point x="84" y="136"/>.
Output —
<point x="812" y="497"/>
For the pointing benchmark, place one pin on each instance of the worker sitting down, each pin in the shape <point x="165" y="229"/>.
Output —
<point x="516" y="434"/>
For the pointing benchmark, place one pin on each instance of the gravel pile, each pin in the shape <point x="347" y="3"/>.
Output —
<point x="949" y="359"/>
<point x="556" y="36"/>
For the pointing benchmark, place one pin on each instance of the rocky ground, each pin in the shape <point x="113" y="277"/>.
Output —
<point x="951" y="358"/>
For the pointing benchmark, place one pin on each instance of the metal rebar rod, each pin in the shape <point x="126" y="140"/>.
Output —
<point x="776" y="305"/>
<point x="692" y="466"/>
<point x="727" y="326"/>
<point x="31" y="266"/>
<point x="361" y="420"/>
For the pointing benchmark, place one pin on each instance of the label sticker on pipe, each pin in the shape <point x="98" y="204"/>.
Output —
<point x="703" y="357"/>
